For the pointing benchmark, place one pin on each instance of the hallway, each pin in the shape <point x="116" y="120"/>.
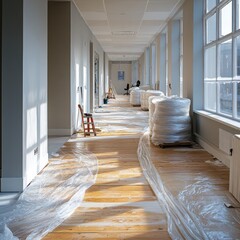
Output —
<point x="190" y="188"/>
<point x="121" y="205"/>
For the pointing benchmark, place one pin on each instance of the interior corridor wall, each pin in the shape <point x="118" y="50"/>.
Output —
<point x="106" y="74"/>
<point x="59" y="88"/>
<point x="69" y="67"/>
<point x="81" y="92"/>
<point x="141" y="69"/>
<point x="24" y="100"/>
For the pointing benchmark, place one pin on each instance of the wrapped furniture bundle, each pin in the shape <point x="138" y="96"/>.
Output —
<point x="152" y="101"/>
<point x="135" y="97"/>
<point x="171" y="121"/>
<point x="146" y="95"/>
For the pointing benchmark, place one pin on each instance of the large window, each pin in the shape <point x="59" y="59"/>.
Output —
<point x="222" y="57"/>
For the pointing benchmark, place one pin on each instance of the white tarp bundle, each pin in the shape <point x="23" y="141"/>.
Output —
<point x="135" y="97"/>
<point x="145" y="96"/>
<point x="50" y="198"/>
<point x="152" y="101"/>
<point x="171" y="120"/>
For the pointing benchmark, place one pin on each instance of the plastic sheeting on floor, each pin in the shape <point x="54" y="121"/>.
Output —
<point x="121" y="119"/>
<point x="189" y="215"/>
<point x="50" y="198"/>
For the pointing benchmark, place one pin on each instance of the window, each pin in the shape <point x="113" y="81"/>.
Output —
<point x="210" y="4"/>
<point x="147" y="66"/>
<point x="225" y="20"/>
<point x="222" y="58"/>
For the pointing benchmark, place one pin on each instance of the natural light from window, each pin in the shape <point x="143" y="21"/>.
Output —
<point x="222" y="58"/>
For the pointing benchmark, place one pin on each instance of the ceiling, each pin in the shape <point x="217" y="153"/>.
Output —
<point x="125" y="28"/>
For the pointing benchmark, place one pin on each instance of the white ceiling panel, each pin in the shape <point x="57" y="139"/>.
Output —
<point x="124" y="28"/>
<point x="161" y="5"/>
<point x="155" y="16"/>
<point x="90" y="5"/>
<point x="94" y="16"/>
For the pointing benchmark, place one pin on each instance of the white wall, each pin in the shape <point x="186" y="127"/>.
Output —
<point x="119" y="85"/>
<point x="81" y="36"/>
<point x="34" y="88"/>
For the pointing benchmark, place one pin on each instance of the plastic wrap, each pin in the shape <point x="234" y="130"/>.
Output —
<point x="133" y="89"/>
<point x="135" y="97"/>
<point x="145" y="87"/>
<point x="171" y="121"/>
<point x="145" y="96"/>
<point x="121" y="120"/>
<point x="189" y="214"/>
<point x="151" y="102"/>
<point x="51" y="197"/>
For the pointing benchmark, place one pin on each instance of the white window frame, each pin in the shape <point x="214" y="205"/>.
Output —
<point x="234" y="79"/>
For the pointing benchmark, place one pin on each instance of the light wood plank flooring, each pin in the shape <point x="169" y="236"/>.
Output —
<point x="121" y="205"/>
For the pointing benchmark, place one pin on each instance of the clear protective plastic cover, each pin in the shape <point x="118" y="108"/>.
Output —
<point x="190" y="215"/>
<point x="145" y="98"/>
<point x="171" y="120"/>
<point x="51" y="197"/>
<point x="135" y="96"/>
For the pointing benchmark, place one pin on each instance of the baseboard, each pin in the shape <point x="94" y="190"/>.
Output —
<point x="19" y="184"/>
<point x="60" y="132"/>
<point x="12" y="184"/>
<point x="216" y="152"/>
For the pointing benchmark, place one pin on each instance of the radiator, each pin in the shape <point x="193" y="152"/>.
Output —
<point x="234" y="184"/>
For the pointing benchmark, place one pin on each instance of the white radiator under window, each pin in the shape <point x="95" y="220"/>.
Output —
<point x="234" y="185"/>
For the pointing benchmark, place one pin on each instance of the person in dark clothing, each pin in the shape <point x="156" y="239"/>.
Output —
<point x="138" y="83"/>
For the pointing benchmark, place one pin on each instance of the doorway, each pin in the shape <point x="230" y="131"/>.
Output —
<point x="96" y="80"/>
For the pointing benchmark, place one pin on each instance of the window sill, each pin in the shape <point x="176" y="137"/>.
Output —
<point x="226" y="121"/>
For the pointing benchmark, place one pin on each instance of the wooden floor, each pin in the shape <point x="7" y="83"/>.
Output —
<point x="121" y="205"/>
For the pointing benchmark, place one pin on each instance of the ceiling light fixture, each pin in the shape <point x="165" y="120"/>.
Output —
<point x="127" y="33"/>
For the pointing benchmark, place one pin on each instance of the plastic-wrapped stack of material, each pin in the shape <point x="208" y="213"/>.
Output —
<point x="146" y="95"/>
<point x="171" y="121"/>
<point x="145" y="87"/>
<point x="135" y="97"/>
<point x="152" y="101"/>
<point x="133" y="88"/>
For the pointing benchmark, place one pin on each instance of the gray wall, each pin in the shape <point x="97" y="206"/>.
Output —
<point x="24" y="77"/>
<point x="12" y="95"/>
<point x="59" y="85"/>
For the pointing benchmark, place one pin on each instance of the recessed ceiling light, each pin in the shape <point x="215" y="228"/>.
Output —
<point x="124" y="33"/>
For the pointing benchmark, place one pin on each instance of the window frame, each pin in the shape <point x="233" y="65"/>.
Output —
<point x="233" y="35"/>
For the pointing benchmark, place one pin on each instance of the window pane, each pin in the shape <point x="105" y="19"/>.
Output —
<point x="238" y="99"/>
<point x="237" y="14"/>
<point x="210" y="4"/>
<point x="210" y="96"/>
<point x="237" y="57"/>
<point x="225" y="59"/>
<point x="211" y="28"/>
<point x="210" y="63"/>
<point x="226" y="20"/>
<point x="226" y="96"/>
